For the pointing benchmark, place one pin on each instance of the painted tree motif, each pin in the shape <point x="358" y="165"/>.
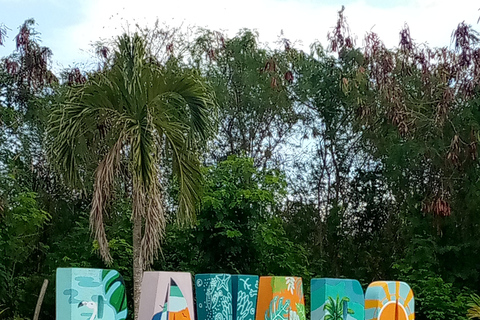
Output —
<point x="337" y="309"/>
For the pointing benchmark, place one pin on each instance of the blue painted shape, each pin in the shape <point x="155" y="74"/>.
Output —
<point x="157" y="316"/>
<point x="214" y="296"/>
<point x="328" y="291"/>
<point x="90" y="294"/>
<point x="244" y="296"/>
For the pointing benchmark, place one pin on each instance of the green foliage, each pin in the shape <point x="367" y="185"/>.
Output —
<point x="256" y="111"/>
<point x="21" y="225"/>
<point x="237" y="198"/>
<point x="279" y="254"/>
<point x="434" y="298"/>
<point x="343" y="178"/>
<point x="238" y="219"/>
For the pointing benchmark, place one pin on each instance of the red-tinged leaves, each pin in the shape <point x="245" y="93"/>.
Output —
<point x="438" y="206"/>
<point x="339" y="37"/>
<point x="454" y="154"/>
<point x="286" y="44"/>
<point x="472" y="146"/>
<point x="465" y="37"/>
<point x="169" y="48"/>
<point x="222" y="40"/>
<point x="30" y="67"/>
<point x="273" y="82"/>
<point x="289" y="76"/>
<point x="102" y="52"/>
<point x="211" y="55"/>
<point x="75" y="77"/>
<point x="23" y="37"/>
<point x="406" y="43"/>
<point x="270" y="66"/>
<point x="11" y="66"/>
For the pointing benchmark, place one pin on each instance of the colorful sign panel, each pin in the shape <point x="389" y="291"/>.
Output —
<point x="280" y="298"/>
<point x="214" y="296"/>
<point x="389" y="300"/>
<point x="166" y="296"/>
<point x="340" y="299"/>
<point x="244" y="296"/>
<point x="90" y="294"/>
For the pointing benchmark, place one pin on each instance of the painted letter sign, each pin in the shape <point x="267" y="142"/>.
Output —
<point x="90" y="294"/>
<point x="337" y="299"/>
<point x="386" y="300"/>
<point x="166" y="296"/>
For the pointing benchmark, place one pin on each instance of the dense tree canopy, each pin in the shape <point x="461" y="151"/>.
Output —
<point x="357" y="162"/>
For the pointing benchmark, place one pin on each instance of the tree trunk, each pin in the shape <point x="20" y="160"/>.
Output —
<point x="40" y="299"/>
<point x="137" y="262"/>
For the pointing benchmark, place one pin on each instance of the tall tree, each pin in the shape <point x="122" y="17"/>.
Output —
<point x="26" y="88"/>
<point x="334" y="151"/>
<point x="132" y="115"/>
<point x="251" y="82"/>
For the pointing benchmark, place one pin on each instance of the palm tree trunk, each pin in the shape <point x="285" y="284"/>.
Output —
<point x="137" y="262"/>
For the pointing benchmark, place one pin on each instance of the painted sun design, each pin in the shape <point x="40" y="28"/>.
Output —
<point x="386" y="300"/>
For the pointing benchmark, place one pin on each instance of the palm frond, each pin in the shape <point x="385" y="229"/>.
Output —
<point x="154" y="226"/>
<point x="200" y="111"/>
<point x="474" y="307"/>
<point x="186" y="167"/>
<point x="65" y="146"/>
<point x="185" y="115"/>
<point x="102" y="192"/>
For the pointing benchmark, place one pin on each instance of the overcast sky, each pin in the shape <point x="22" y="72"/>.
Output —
<point x="69" y="26"/>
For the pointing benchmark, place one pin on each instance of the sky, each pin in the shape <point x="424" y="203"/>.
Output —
<point x="69" y="27"/>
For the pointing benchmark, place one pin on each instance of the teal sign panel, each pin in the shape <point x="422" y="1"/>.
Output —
<point x="337" y="299"/>
<point x="244" y="295"/>
<point x="214" y="296"/>
<point x="90" y="294"/>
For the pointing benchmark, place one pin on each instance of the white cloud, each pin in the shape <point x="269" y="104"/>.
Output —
<point x="430" y="21"/>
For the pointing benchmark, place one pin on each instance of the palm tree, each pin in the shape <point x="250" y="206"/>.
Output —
<point x="126" y="119"/>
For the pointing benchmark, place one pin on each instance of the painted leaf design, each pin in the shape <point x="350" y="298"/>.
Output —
<point x="299" y="287"/>
<point x="278" y="284"/>
<point x="243" y="305"/>
<point x="104" y="273"/>
<point x="290" y="281"/>
<point x="278" y="309"/>
<point x="293" y="315"/>
<point x="331" y="307"/>
<point x="115" y="290"/>
<point x="118" y="299"/>
<point x="301" y="311"/>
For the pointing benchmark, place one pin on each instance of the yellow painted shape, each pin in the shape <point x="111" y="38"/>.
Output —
<point x="373" y="304"/>
<point x="384" y="285"/>
<point x="409" y="297"/>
